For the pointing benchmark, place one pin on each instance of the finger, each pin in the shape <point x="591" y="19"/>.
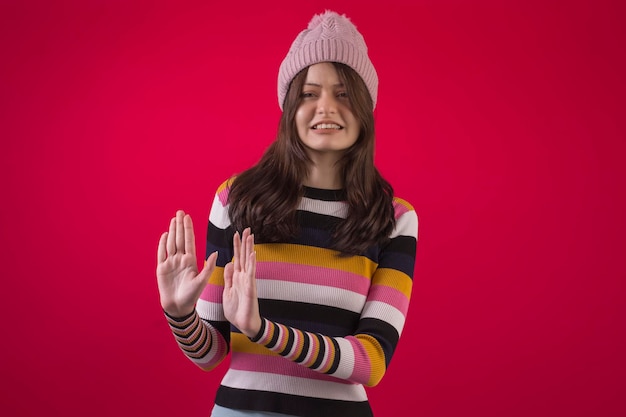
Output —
<point x="251" y="269"/>
<point x="228" y="276"/>
<point x="251" y="243"/>
<point x="209" y="267"/>
<point x="244" y="248"/>
<point x="161" y="255"/>
<point x="190" y="244"/>
<point x="236" y="249"/>
<point x="180" y="232"/>
<point x="249" y="249"/>
<point x="171" y="238"/>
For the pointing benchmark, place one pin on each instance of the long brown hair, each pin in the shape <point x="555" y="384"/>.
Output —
<point x="266" y="196"/>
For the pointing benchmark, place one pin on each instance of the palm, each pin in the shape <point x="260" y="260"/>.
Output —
<point x="180" y="284"/>
<point x="240" y="302"/>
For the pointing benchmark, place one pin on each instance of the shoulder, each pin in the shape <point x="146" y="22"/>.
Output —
<point x="224" y="190"/>
<point x="400" y="205"/>
<point x="406" y="218"/>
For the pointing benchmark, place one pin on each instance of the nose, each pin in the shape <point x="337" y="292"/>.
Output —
<point x="326" y="104"/>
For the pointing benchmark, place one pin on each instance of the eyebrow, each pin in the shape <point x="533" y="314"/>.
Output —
<point x="319" y="85"/>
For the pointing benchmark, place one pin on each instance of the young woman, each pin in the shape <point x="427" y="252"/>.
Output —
<point x="310" y="256"/>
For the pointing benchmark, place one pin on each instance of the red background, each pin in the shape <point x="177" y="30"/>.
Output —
<point x="501" y="121"/>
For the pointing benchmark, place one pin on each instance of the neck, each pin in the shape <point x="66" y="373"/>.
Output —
<point x="324" y="177"/>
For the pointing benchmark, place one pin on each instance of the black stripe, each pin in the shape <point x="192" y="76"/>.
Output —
<point x="402" y="244"/>
<point x="223" y="327"/>
<point x="202" y="336"/>
<point x="313" y="237"/>
<point x="220" y="240"/>
<point x="290" y="341"/>
<point x="180" y="327"/>
<point x="325" y="195"/>
<point x="274" y="338"/>
<point x="385" y="333"/>
<point x="330" y="321"/>
<point x="319" y="221"/>
<point x="180" y="319"/>
<point x="190" y="332"/>
<point x="316" y="230"/>
<point x="335" y="365"/>
<point x="320" y="354"/>
<point x="305" y="349"/>
<point x="290" y="404"/>
<point x="398" y="261"/>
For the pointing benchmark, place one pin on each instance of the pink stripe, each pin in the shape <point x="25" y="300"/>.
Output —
<point x="314" y="349"/>
<point x="212" y="293"/>
<point x="216" y="359"/>
<point x="282" y="334"/>
<point x="223" y="195"/>
<point x="362" y="368"/>
<point x="276" y="365"/>
<point x="389" y="296"/>
<point x="269" y="331"/>
<point x="327" y="347"/>
<point x="399" y="209"/>
<point x="313" y="275"/>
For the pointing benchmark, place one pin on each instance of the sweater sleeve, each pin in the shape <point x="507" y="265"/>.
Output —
<point x="364" y="356"/>
<point x="204" y="335"/>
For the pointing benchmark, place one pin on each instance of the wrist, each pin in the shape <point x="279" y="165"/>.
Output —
<point x="178" y="313"/>
<point x="255" y="335"/>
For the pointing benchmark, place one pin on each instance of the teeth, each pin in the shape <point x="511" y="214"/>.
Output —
<point x="326" y="126"/>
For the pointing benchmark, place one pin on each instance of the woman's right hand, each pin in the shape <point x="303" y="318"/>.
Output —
<point x="180" y="284"/>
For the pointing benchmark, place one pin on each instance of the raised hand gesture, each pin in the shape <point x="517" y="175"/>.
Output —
<point x="241" y="305"/>
<point x="180" y="284"/>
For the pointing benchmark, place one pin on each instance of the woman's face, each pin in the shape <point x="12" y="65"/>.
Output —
<point x="325" y="122"/>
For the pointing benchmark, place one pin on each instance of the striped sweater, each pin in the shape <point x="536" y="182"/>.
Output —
<point x="330" y="324"/>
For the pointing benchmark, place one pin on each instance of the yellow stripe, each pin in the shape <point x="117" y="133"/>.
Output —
<point x="285" y="334"/>
<point x="312" y="256"/>
<point x="225" y="184"/>
<point x="217" y="276"/>
<point x="240" y="343"/>
<point x="376" y="357"/>
<point x="403" y="203"/>
<point x="394" y="279"/>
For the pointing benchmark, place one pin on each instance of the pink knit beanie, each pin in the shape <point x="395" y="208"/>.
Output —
<point x="328" y="38"/>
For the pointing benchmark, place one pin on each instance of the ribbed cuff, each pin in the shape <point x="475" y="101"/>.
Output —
<point x="179" y="319"/>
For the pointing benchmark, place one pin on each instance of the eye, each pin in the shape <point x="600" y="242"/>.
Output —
<point x="307" y="94"/>
<point x="342" y="94"/>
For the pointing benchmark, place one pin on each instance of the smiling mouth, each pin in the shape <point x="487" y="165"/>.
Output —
<point x="326" y="126"/>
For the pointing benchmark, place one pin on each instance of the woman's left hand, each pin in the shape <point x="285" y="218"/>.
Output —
<point x="241" y="305"/>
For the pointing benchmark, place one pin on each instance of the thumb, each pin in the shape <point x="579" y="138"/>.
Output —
<point x="209" y="266"/>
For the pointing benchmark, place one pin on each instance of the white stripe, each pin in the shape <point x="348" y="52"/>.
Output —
<point x="346" y="364"/>
<point x="282" y="334"/>
<point x="310" y="293"/>
<point x="406" y="225"/>
<point x="263" y="381"/>
<point x="385" y="312"/>
<point x="296" y="339"/>
<point x="219" y="214"/>
<point x="329" y="208"/>
<point x="210" y="311"/>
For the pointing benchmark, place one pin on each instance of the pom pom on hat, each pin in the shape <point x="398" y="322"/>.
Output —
<point x="329" y="37"/>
